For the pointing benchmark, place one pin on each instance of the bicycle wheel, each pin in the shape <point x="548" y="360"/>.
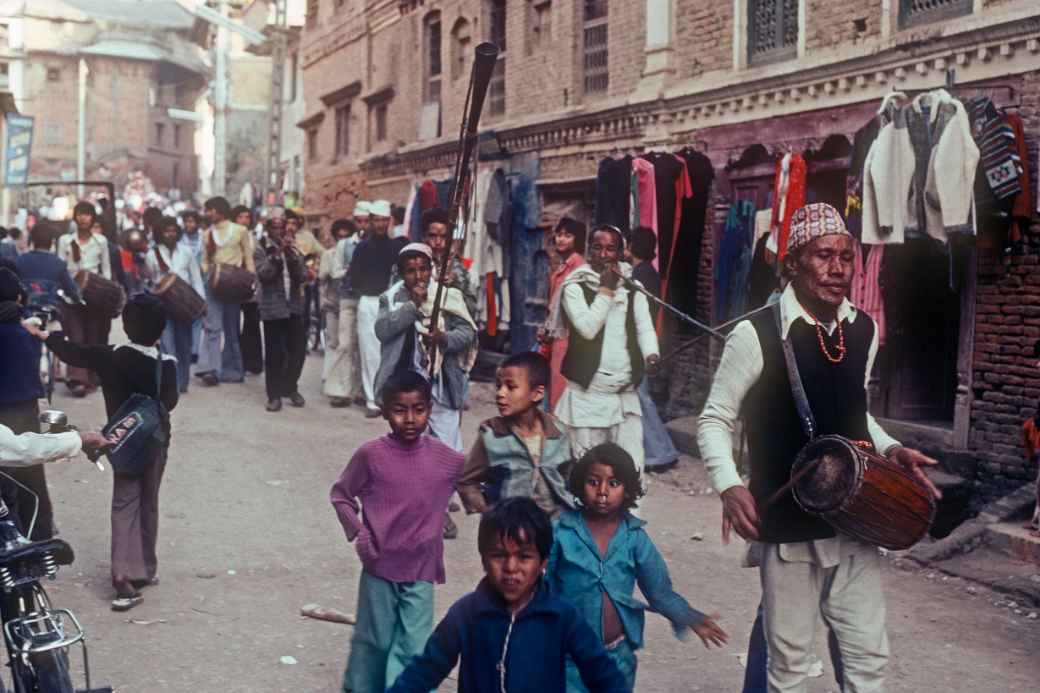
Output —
<point x="47" y="672"/>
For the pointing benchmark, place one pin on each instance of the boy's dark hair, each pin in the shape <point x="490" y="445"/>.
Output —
<point x="403" y="259"/>
<point x="190" y="214"/>
<point x="576" y="229"/>
<point x="144" y="319"/>
<point x="165" y="223"/>
<point x="219" y="205"/>
<point x="615" y="457"/>
<point x="344" y="224"/>
<point x="11" y="288"/>
<point x="151" y="218"/>
<point x="407" y="381"/>
<point x="84" y="207"/>
<point x="519" y="519"/>
<point x="644" y="243"/>
<point x="43" y="235"/>
<point x="239" y="209"/>
<point x="536" y="365"/>
<point x="435" y="215"/>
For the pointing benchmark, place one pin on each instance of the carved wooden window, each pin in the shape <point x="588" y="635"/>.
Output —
<point x="497" y="35"/>
<point x="596" y="54"/>
<point x="342" y="130"/>
<point x="432" y="49"/>
<point x="914" y="12"/>
<point x="772" y="30"/>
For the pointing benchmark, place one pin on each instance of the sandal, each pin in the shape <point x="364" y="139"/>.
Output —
<point x="127" y="603"/>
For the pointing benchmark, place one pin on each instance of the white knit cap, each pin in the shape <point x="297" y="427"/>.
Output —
<point x="379" y="208"/>
<point x="362" y="208"/>
<point x="417" y="248"/>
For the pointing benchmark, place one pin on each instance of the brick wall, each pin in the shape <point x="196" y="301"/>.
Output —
<point x="704" y="37"/>
<point x="830" y="23"/>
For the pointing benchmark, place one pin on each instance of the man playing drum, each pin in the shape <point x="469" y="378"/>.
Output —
<point x="84" y="324"/>
<point x="808" y="571"/>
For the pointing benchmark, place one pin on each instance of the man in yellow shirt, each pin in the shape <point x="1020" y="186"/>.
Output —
<point x="225" y="243"/>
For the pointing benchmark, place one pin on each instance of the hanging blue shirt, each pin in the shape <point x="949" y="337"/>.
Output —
<point x="578" y="573"/>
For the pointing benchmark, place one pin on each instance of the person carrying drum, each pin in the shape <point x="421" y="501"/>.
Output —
<point x="85" y="324"/>
<point x="166" y="256"/>
<point x="225" y="243"/>
<point x="808" y="570"/>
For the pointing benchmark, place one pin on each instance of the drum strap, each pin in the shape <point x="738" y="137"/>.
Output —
<point x="801" y="400"/>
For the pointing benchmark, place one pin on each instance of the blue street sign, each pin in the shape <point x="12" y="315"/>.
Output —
<point x="17" y="148"/>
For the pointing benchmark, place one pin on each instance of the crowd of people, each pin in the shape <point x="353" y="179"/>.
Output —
<point x="556" y="476"/>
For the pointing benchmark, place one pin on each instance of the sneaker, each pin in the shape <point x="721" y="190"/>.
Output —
<point x="274" y="404"/>
<point x="297" y="400"/>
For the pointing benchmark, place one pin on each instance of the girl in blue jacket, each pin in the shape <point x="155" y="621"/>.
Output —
<point x="602" y="551"/>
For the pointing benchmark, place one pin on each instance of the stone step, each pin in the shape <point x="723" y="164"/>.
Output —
<point x="1014" y="539"/>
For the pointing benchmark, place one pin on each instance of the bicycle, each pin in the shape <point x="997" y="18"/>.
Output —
<point x="38" y="636"/>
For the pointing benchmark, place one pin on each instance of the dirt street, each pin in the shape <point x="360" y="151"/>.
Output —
<point x="248" y="537"/>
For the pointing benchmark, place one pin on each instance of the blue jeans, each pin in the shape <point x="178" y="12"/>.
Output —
<point x="660" y="450"/>
<point x="176" y="340"/>
<point x="222" y="319"/>
<point x="623" y="656"/>
<point x="755" y="673"/>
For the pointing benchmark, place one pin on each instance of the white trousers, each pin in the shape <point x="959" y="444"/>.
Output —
<point x="798" y="589"/>
<point x="446" y="425"/>
<point x="628" y="435"/>
<point x="342" y="363"/>
<point x="368" y="343"/>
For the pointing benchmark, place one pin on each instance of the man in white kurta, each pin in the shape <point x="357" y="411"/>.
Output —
<point x="607" y="409"/>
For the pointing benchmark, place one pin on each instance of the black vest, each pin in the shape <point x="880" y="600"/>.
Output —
<point x="837" y="398"/>
<point x="583" y="355"/>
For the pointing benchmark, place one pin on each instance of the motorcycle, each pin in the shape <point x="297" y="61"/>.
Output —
<point x="37" y="635"/>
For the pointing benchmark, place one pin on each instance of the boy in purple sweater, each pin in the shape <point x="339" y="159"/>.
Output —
<point x="403" y="481"/>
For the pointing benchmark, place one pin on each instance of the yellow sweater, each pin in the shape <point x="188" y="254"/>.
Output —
<point x="237" y="248"/>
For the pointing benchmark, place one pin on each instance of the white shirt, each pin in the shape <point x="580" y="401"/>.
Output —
<point x="739" y="369"/>
<point x="610" y="395"/>
<point x="94" y="255"/>
<point x="181" y="262"/>
<point x="28" y="449"/>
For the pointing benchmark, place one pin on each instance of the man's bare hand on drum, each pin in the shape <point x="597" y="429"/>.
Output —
<point x="739" y="512"/>
<point x="912" y="461"/>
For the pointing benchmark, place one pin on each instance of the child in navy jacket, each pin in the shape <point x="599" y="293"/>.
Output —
<point x="511" y="633"/>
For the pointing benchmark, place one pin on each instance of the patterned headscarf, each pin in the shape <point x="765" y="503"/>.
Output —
<point x="814" y="221"/>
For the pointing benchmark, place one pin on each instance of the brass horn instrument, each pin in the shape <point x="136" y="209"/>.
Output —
<point x="480" y="78"/>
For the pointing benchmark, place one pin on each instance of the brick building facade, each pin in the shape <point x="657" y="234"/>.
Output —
<point x="145" y="76"/>
<point x="741" y="82"/>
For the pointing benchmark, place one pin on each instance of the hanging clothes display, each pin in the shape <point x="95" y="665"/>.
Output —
<point x="614" y="192"/>
<point x="671" y="186"/>
<point x="734" y="261"/>
<point x="999" y="159"/>
<point x="680" y="276"/>
<point x="926" y="156"/>
<point x="866" y="292"/>
<point x="1023" y="204"/>
<point x="644" y="213"/>
<point x="788" y="196"/>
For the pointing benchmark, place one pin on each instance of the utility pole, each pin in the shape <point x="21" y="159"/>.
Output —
<point x="220" y="104"/>
<point x="81" y="129"/>
<point x="274" y="124"/>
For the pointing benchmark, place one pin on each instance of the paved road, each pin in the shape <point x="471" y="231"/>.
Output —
<point x="248" y="537"/>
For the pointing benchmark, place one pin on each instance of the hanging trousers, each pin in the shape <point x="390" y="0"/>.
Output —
<point x="135" y="521"/>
